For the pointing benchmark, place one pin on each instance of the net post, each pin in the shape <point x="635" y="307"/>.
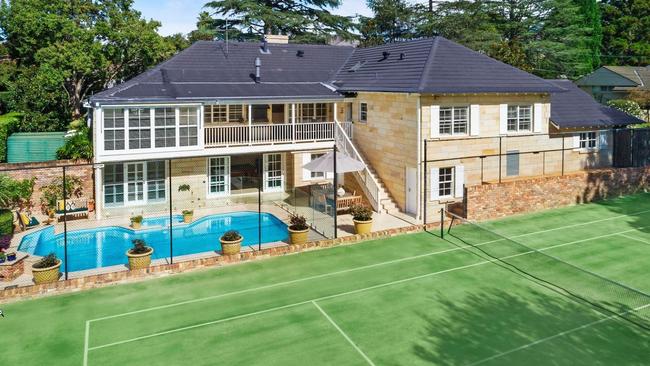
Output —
<point x="260" y="186"/>
<point x="442" y="223"/>
<point x="171" y="216"/>
<point x="65" y="226"/>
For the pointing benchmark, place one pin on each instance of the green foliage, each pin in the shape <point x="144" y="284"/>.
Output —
<point x="394" y="20"/>
<point x="300" y="19"/>
<point x="298" y="223"/>
<point x="8" y="124"/>
<point x="16" y="194"/>
<point x="231" y="235"/>
<point x="626" y="32"/>
<point x="139" y="247"/>
<point x="6" y="222"/>
<point x="137" y="219"/>
<point x="184" y="188"/>
<point x="54" y="191"/>
<point x="188" y="212"/>
<point x="628" y="106"/>
<point x="361" y="212"/>
<point x="77" y="147"/>
<point x="48" y="261"/>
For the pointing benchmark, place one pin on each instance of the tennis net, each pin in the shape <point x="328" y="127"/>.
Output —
<point x="605" y="295"/>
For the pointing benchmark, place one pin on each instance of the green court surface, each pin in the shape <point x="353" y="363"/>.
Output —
<point x="471" y="298"/>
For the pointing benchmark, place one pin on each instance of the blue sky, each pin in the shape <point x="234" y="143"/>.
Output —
<point x="179" y="16"/>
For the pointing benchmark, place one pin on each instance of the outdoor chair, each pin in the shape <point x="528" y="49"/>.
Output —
<point x="71" y="208"/>
<point x="26" y="221"/>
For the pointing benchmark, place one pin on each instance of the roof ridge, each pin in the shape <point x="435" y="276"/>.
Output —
<point x="430" y="61"/>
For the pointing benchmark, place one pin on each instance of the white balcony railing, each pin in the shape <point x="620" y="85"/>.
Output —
<point x="271" y="133"/>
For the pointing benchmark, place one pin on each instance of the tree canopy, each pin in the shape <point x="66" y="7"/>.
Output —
<point x="626" y="32"/>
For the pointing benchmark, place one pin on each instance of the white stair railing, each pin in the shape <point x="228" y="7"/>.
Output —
<point x="365" y="177"/>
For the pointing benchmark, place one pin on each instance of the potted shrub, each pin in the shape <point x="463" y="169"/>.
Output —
<point x="46" y="270"/>
<point x="187" y="216"/>
<point x="139" y="255"/>
<point x="362" y="218"/>
<point x="136" y="222"/>
<point x="298" y="229"/>
<point x="11" y="256"/>
<point x="231" y="242"/>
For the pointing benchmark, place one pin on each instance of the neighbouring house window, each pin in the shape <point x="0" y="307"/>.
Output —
<point x="454" y="120"/>
<point x="139" y="128"/>
<point x="520" y="118"/>
<point x="135" y="182"/>
<point x="155" y="181"/>
<point x="236" y="113"/>
<point x="446" y="182"/>
<point x="588" y="140"/>
<point x="165" y="127"/>
<point x="189" y="128"/>
<point x="273" y="172"/>
<point x="313" y="112"/>
<point x="317" y="175"/>
<point x="363" y="112"/>
<point x="114" y="184"/>
<point x="219" y="175"/>
<point x="114" y="129"/>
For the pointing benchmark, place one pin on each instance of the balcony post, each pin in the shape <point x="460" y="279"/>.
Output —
<point x="250" y="124"/>
<point x="293" y="122"/>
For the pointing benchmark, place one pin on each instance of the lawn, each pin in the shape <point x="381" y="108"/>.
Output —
<point x="408" y="300"/>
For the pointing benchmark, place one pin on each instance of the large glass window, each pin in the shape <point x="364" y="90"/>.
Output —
<point x="273" y="177"/>
<point x="139" y="128"/>
<point x="189" y="127"/>
<point x="231" y="113"/>
<point x="165" y="127"/>
<point x="114" y="184"/>
<point x="135" y="182"/>
<point x="113" y="129"/>
<point x="446" y="182"/>
<point x="317" y="175"/>
<point x="156" y="181"/>
<point x="219" y="176"/>
<point x="519" y="118"/>
<point x="313" y="112"/>
<point x="454" y="120"/>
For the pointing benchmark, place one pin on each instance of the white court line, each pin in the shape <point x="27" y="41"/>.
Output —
<point x="303" y="279"/>
<point x="365" y="357"/>
<point x="382" y="285"/>
<point x="635" y="239"/>
<point x="563" y="333"/>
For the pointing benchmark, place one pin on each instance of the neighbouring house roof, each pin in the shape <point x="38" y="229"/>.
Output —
<point x="639" y="75"/>
<point x="213" y="70"/>
<point x="574" y="108"/>
<point x="621" y="77"/>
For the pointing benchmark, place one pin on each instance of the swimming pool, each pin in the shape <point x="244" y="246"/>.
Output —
<point x="161" y="220"/>
<point x="106" y="246"/>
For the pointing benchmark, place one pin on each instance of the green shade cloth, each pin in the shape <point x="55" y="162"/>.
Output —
<point x="34" y="147"/>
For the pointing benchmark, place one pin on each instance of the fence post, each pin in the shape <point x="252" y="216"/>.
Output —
<point x="424" y="198"/>
<point x="563" y="142"/>
<point x="171" y="216"/>
<point x="442" y="223"/>
<point x="260" y="186"/>
<point x="65" y="227"/>
<point x="500" y="156"/>
<point x="336" y="226"/>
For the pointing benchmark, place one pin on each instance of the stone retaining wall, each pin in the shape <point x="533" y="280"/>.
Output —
<point x="490" y="201"/>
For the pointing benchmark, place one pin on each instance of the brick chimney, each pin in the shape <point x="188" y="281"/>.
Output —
<point x="276" y="38"/>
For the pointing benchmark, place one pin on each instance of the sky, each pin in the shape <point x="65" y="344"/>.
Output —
<point x="179" y="16"/>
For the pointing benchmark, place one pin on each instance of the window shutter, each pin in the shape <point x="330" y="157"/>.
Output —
<point x="459" y="181"/>
<point x="503" y="119"/>
<point x="576" y="141"/>
<point x="537" y="117"/>
<point x="306" y="174"/>
<point x="602" y="139"/>
<point x="435" y="189"/>
<point x="435" y="121"/>
<point x="475" y="120"/>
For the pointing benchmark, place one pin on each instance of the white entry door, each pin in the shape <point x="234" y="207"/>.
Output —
<point x="411" y="191"/>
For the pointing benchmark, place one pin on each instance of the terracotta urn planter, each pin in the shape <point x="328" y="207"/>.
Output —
<point x="139" y="261"/>
<point x="363" y="227"/>
<point x="188" y="217"/>
<point x="47" y="274"/>
<point x="231" y="247"/>
<point x="298" y="236"/>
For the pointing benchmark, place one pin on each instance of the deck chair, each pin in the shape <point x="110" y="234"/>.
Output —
<point x="27" y="221"/>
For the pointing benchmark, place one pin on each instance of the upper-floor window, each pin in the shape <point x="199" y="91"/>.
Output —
<point x="165" y="127"/>
<point x="226" y="113"/>
<point x="114" y="129"/>
<point x="588" y="140"/>
<point x="189" y="127"/>
<point x="317" y="175"/>
<point x="363" y="112"/>
<point x="454" y="120"/>
<point x="313" y="112"/>
<point x="139" y="128"/>
<point x="520" y="118"/>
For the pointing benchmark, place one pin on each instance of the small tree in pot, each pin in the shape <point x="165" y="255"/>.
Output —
<point x="362" y="218"/>
<point x="46" y="270"/>
<point x="136" y="222"/>
<point x="298" y="229"/>
<point x="187" y="214"/>
<point x="231" y="242"/>
<point x="139" y="255"/>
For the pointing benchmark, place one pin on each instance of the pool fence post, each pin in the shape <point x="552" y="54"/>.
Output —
<point x="65" y="227"/>
<point x="171" y="216"/>
<point x="260" y="186"/>
<point x="336" y="180"/>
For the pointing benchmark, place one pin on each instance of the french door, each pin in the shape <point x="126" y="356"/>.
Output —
<point x="273" y="173"/>
<point x="219" y="171"/>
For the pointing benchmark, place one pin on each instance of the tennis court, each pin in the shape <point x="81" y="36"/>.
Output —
<point x="562" y="287"/>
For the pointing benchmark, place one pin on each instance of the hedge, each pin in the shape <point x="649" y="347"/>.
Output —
<point x="8" y="125"/>
<point x="6" y="222"/>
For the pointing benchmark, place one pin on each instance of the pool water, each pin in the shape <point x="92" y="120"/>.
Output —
<point x="106" y="246"/>
<point x="161" y="221"/>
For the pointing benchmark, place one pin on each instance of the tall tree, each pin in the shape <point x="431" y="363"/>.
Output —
<point x="206" y="28"/>
<point x="393" y="20"/>
<point x="73" y="49"/>
<point x="626" y="32"/>
<point x="302" y="20"/>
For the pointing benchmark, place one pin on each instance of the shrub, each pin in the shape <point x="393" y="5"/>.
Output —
<point x="139" y="247"/>
<point x="627" y="106"/>
<point x="5" y="242"/>
<point x="3" y="256"/>
<point x="188" y="212"/>
<point x="232" y="235"/>
<point x="49" y="260"/>
<point x="78" y="146"/>
<point x="8" y="125"/>
<point x="6" y="222"/>
<point x="298" y="223"/>
<point x="361" y="212"/>
<point x="54" y="191"/>
<point x="137" y="219"/>
<point x="15" y="193"/>
<point x="184" y="188"/>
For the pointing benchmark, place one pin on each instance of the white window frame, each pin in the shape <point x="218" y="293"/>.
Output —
<point x="145" y="185"/>
<point x="165" y="127"/>
<point x="147" y="118"/>
<point x="115" y="129"/>
<point x="226" y="180"/>
<point x="518" y="118"/>
<point x="313" y="112"/>
<point x="227" y="113"/>
<point x="184" y="116"/>
<point x="268" y="178"/>
<point x="454" y="122"/>
<point x="157" y="182"/>
<point x="451" y="182"/>
<point x="584" y="140"/>
<point x="113" y="185"/>
<point x="363" y="115"/>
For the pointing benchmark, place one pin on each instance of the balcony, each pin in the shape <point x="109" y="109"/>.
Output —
<point x="271" y="133"/>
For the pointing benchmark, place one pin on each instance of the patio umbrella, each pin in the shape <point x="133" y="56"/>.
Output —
<point x="344" y="164"/>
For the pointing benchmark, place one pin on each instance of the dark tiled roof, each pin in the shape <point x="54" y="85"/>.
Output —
<point x="637" y="74"/>
<point x="574" y="108"/>
<point x="433" y="65"/>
